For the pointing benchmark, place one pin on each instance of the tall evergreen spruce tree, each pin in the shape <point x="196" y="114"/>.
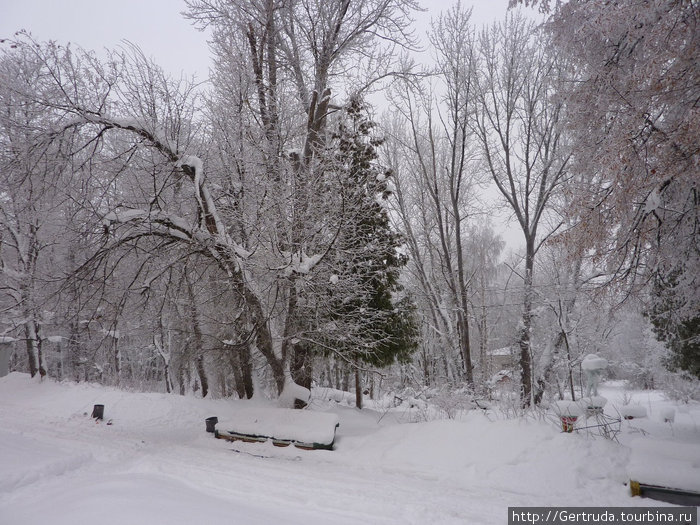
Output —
<point x="352" y="309"/>
<point x="390" y="330"/>
<point x="680" y="333"/>
<point x="360" y="317"/>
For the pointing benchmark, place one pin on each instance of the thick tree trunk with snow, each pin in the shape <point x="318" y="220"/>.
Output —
<point x="524" y="342"/>
<point x="235" y="361"/>
<point x="198" y="339"/>
<point x="31" y="344"/>
<point x="358" y="386"/>
<point x="202" y="373"/>
<point x="302" y="366"/>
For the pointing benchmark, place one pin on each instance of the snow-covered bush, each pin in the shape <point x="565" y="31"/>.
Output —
<point x="682" y="387"/>
<point x="668" y="414"/>
<point x="452" y="402"/>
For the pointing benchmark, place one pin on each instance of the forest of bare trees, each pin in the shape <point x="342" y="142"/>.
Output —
<point x="325" y="211"/>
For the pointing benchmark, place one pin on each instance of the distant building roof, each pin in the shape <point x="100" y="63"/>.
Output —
<point x="507" y="350"/>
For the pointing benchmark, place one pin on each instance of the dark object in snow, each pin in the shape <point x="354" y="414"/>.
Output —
<point x="98" y="412"/>
<point x="211" y="423"/>
<point x="686" y="498"/>
<point x="302" y="428"/>
<point x="251" y="438"/>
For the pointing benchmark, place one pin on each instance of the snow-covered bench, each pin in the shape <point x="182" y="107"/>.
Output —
<point x="301" y="428"/>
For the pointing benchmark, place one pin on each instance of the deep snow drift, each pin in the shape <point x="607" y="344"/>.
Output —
<point x="156" y="464"/>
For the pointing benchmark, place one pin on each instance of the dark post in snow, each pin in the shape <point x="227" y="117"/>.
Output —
<point x="98" y="411"/>
<point x="211" y="423"/>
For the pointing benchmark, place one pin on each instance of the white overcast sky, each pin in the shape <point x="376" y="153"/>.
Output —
<point x="156" y="26"/>
<point x="159" y="29"/>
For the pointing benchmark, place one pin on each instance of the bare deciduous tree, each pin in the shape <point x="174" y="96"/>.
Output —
<point x="517" y="120"/>
<point x="433" y="153"/>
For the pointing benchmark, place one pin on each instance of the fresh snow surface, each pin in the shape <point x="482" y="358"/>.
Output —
<point x="668" y="414"/>
<point x="156" y="464"/>
<point x="593" y="401"/>
<point x="661" y="453"/>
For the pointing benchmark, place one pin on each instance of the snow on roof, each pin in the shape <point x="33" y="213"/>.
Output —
<point x="505" y="351"/>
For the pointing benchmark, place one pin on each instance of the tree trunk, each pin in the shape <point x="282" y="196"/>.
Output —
<point x="75" y="354"/>
<point x="346" y="379"/>
<point x="358" y="386"/>
<point x="263" y="337"/>
<point x="183" y="378"/>
<point x="247" y="372"/>
<point x="338" y="385"/>
<point x="301" y="368"/>
<point x="30" y="335"/>
<point x="168" y="380"/>
<point x="117" y="359"/>
<point x="462" y="296"/>
<point x="242" y="371"/>
<point x="235" y="360"/>
<point x="526" y="326"/>
<point x="201" y="372"/>
<point x="198" y="337"/>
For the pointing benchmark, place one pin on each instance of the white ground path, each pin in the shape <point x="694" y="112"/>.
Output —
<point x="156" y="464"/>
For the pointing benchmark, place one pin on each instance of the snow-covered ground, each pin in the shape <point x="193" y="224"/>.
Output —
<point x="156" y="464"/>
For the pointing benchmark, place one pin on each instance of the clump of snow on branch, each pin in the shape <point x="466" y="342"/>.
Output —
<point x="300" y="263"/>
<point x="593" y="362"/>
